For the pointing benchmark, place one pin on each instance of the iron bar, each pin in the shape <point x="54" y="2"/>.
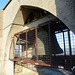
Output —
<point x="36" y="44"/>
<point x="70" y="48"/>
<point x="64" y="44"/>
<point x="26" y="45"/>
<point x="44" y="60"/>
<point x="22" y="50"/>
<point x="43" y="64"/>
<point x="64" y="48"/>
<point x="49" y="30"/>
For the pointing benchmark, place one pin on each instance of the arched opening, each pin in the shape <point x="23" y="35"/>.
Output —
<point x="43" y="40"/>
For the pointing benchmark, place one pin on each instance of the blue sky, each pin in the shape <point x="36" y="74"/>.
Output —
<point x="3" y="3"/>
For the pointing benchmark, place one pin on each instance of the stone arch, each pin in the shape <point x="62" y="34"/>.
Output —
<point x="16" y="26"/>
<point x="50" y="6"/>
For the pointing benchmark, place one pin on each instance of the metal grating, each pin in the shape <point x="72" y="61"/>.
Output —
<point x="39" y="45"/>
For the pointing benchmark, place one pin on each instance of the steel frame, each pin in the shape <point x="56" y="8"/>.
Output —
<point x="37" y="62"/>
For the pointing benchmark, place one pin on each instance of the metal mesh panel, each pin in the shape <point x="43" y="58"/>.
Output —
<point x="43" y="45"/>
<point x="31" y="53"/>
<point x="40" y="46"/>
<point x="65" y="59"/>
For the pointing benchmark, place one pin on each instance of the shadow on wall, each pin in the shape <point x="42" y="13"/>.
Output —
<point x="66" y="12"/>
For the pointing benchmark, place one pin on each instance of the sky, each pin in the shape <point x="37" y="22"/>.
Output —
<point x="3" y="3"/>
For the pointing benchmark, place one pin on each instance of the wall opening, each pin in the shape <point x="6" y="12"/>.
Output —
<point x="38" y="46"/>
<point x="48" y="43"/>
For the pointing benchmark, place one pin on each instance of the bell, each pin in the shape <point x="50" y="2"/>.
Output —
<point x="54" y="43"/>
<point x="43" y="43"/>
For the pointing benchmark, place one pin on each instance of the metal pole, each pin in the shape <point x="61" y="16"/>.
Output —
<point x="50" y="48"/>
<point x="36" y="44"/>
<point x="64" y="48"/>
<point x="26" y="45"/>
<point x="64" y="44"/>
<point x="22" y="50"/>
<point x="70" y="48"/>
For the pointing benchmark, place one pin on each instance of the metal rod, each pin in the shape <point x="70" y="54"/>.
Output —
<point x="26" y="45"/>
<point x="64" y="48"/>
<point x="64" y="44"/>
<point x="43" y="64"/>
<point x="49" y="30"/>
<point x="22" y="50"/>
<point x="70" y="48"/>
<point x="36" y="44"/>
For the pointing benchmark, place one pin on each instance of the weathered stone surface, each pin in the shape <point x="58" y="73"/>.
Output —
<point x="62" y="9"/>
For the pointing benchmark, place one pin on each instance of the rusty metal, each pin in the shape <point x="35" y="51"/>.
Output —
<point x="45" y="60"/>
<point x="31" y="28"/>
<point x="43" y="64"/>
<point x="70" y="48"/>
<point x="26" y="45"/>
<point x="36" y="45"/>
<point x="49" y="29"/>
<point x="64" y="45"/>
<point x="64" y="49"/>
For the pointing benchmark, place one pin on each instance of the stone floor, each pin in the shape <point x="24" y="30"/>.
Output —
<point x="46" y="71"/>
<point x="30" y="73"/>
